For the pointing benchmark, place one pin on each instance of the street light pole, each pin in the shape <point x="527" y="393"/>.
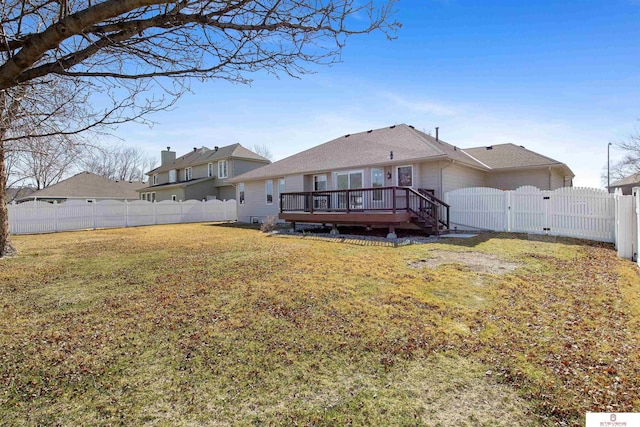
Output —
<point x="608" y="170"/>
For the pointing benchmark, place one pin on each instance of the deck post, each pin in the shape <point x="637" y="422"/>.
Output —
<point x="334" y="230"/>
<point x="348" y="201"/>
<point x="406" y="199"/>
<point x="394" y="199"/>
<point x="293" y="227"/>
<point x="437" y="223"/>
<point x="310" y="196"/>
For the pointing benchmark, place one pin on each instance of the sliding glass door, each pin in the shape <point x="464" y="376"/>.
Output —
<point x="352" y="180"/>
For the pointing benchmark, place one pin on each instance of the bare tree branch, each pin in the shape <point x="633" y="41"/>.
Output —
<point x="59" y="56"/>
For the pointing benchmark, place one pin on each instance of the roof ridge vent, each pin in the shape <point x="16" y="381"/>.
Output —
<point x="347" y="135"/>
<point x="411" y="127"/>
<point x="391" y="127"/>
<point x="489" y="147"/>
<point x="370" y="130"/>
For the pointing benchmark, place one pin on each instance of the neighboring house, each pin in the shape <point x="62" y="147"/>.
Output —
<point x="15" y="193"/>
<point x="626" y="184"/>
<point x="392" y="159"/>
<point x="200" y="174"/>
<point x="86" y="186"/>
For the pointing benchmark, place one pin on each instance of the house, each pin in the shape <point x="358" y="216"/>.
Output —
<point x="200" y="174"/>
<point x="384" y="176"/>
<point x="86" y="186"/>
<point x="15" y="193"/>
<point x="626" y="184"/>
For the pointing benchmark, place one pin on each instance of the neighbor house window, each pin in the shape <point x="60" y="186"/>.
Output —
<point x="405" y="176"/>
<point x="280" y="186"/>
<point x="268" y="187"/>
<point x="155" y="179"/>
<point x="153" y="196"/>
<point x="173" y="197"/>
<point x="210" y="170"/>
<point x="187" y="174"/>
<point x="143" y="196"/>
<point x="241" y="193"/>
<point x="173" y="175"/>
<point x="222" y="169"/>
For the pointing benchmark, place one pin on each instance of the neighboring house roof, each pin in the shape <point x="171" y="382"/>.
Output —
<point x="627" y="180"/>
<point x="407" y="144"/>
<point x="14" y="193"/>
<point x="204" y="155"/>
<point x="87" y="185"/>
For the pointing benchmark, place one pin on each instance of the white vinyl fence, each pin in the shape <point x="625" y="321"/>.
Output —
<point x="43" y="217"/>
<point x="586" y="213"/>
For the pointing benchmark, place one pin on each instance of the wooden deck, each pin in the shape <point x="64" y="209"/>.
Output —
<point x="379" y="206"/>
<point x="361" y="218"/>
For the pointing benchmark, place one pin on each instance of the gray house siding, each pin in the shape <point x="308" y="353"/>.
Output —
<point x="510" y="180"/>
<point x="227" y="192"/>
<point x="165" y="194"/>
<point x="457" y="176"/>
<point x="199" y="191"/>
<point x="238" y="166"/>
<point x="255" y="205"/>
<point x="429" y="176"/>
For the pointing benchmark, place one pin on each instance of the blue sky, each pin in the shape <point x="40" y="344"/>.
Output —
<point x="560" y="78"/>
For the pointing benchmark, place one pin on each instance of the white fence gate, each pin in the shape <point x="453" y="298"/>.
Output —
<point x="586" y="213"/>
<point x="43" y="217"/>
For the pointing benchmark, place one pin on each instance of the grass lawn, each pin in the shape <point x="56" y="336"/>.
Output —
<point x="203" y="324"/>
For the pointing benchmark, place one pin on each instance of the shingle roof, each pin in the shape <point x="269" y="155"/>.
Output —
<point x="373" y="147"/>
<point x="361" y="149"/>
<point x="87" y="185"/>
<point x="203" y="155"/>
<point x="627" y="180"/>
<point x="504" y="156"/>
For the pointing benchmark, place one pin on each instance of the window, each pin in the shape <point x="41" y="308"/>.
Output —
<point x="241" y="193"/>
<point x="348" y="181"/>
<point x="172" y="176"/>
<point x="143" y="196"/>
<point x="405" y="176"/>
<point x="222" y="169"/>
<point x="173" y="197"/>
<point x="155" y="179"/>
<point x="210" y="170"/>
<point x="153" y="196"/>
<point x="319" y="182"/>
<point x="268" y="187"/>
<point x="280" y="186"/>
<point x="377" y="180"/>
<point x="187" y="174"/>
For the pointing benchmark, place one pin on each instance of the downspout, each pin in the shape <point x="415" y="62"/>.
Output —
<point x="442" y="178"/>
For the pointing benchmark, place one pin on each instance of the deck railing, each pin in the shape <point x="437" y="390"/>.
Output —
<point x="378" y="199"/>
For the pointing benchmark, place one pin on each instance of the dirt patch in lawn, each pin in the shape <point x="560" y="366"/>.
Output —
<point x="476" y="261"/>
